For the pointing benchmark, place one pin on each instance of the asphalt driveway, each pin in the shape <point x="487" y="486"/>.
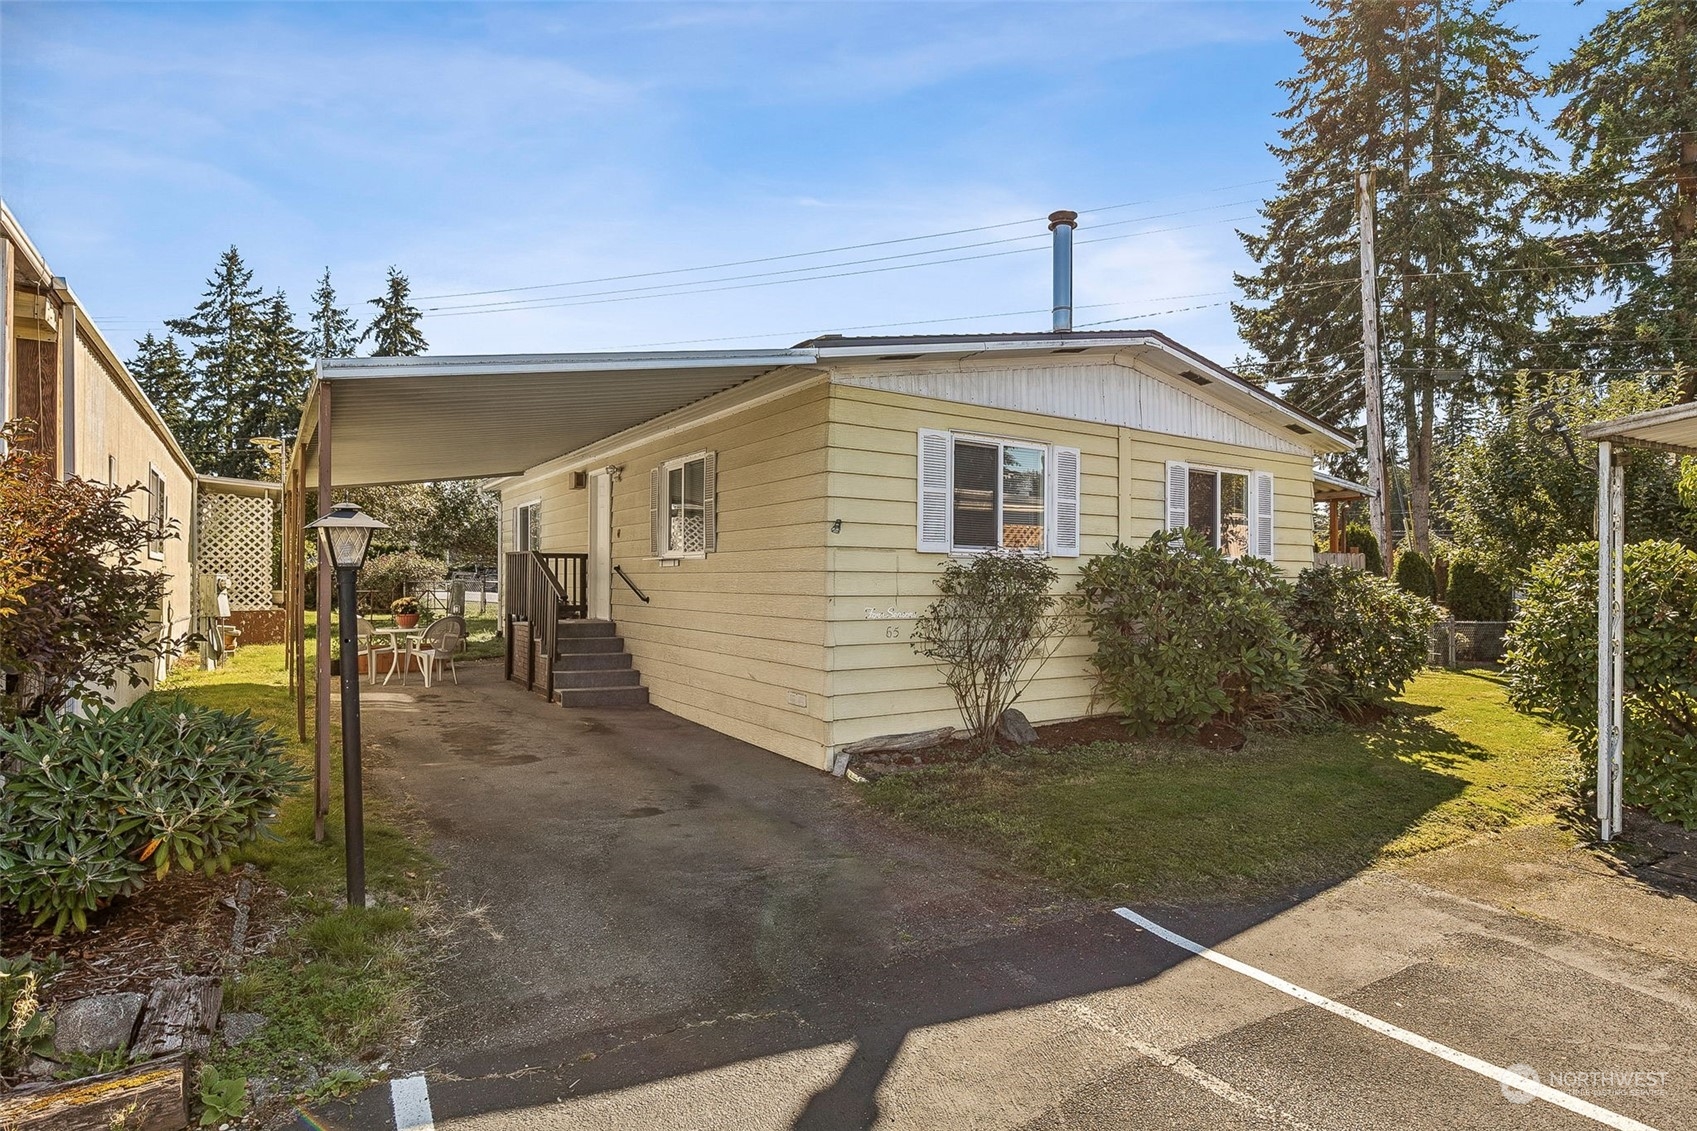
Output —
<point x="657" y="926"/>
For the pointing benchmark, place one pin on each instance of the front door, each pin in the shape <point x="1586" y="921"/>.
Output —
<point x="600" y="546"/>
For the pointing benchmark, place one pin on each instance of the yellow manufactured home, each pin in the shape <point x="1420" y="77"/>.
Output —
<point x="753" y="560"/>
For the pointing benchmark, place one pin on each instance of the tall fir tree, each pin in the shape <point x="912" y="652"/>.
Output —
<point x="335" y="333"/>
<point x="1433" y="97"/>
<point x="225" y="331"/>
<point x="284" y="371"/>
<point x="1629" y="196"/>
<point x="394" y="331"/>
<point x="162" y="370"/>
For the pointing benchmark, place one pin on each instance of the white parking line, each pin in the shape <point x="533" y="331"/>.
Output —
<point x="410" y="1096"/>
<point x="1502" y="1076"/>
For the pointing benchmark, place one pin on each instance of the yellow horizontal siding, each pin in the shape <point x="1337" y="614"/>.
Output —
<point x="726" y="639"/>
<point x="878" y="684"/>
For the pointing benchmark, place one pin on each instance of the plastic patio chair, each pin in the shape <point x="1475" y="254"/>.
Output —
<point x="442" y="641"/>
<point x="365" y="636"/>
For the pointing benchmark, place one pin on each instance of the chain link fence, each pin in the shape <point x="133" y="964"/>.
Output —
<point x="1456" y="642"/>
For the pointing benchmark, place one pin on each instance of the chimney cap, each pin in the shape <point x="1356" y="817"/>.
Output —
<point x="1056" y="219"/>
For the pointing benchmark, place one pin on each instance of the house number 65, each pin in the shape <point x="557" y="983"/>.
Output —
<point x="892" y="632"/>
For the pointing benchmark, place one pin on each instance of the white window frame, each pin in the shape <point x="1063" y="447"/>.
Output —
<point x="1253" y="519"/>
<point x="1053" y="544"/>
<point x="667" y="552"/>
<point x="533" y="527"/>
<point x="158" y="512"/>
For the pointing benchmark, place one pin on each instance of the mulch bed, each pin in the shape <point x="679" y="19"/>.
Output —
<point x="179" y="925"/>
<point x="1050" y="736"/>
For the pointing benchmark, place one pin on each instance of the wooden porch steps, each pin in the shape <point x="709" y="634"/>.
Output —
<point x="592" y="668"/>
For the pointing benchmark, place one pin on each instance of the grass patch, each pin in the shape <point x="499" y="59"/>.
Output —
<point x="1170" y="821"/>
<point x="342" y="984"/>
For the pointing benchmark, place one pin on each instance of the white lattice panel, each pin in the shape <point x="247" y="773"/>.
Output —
<point x="234" y="538"/>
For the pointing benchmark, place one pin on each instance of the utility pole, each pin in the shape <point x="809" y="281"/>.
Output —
<point x="1379" y="505"/>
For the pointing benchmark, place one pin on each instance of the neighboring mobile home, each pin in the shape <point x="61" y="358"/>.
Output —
<point x="779" y="537"/>
<point x="92" y="419"/>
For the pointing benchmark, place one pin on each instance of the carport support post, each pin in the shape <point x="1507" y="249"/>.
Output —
<point x="321" y="679"/>
<point x="1611" y="615"/>
<point x="353" y="791"/>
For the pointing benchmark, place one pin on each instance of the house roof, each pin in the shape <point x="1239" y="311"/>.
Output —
<point x="1152" y="347"/>
<point x="407" y="419"/>
<point x="1671" y="429"/>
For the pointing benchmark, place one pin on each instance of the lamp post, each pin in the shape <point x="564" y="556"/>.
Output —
<point x="344" y="537"/>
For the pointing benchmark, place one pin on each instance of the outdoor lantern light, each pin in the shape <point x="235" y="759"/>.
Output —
<point x="347" y="532"/>
<point x="345" y="536"/>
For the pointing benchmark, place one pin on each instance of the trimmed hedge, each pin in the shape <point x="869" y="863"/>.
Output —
<point x="1414" y="574"/>
<point x="1358" y="536"/>
<point x="1473" y="594"/>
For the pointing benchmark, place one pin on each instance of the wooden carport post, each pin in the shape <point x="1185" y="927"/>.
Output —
<point x="321" y="684"/>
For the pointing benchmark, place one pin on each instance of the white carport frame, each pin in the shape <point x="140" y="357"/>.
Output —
<point x="1672" y="429"/>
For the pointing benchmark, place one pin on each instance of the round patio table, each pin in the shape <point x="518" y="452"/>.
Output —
<point x="395" y="635"/>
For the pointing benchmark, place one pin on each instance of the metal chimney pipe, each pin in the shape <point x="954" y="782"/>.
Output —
<point x="1062" y="223"/>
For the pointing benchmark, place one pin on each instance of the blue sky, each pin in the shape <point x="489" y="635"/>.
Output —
<point x="484" y="146"/>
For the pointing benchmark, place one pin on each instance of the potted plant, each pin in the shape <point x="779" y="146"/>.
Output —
<point x="405" y="610"/>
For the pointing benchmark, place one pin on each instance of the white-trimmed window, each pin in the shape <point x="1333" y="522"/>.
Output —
<point x="996" y="493"/>
<point x="158" y="513"/>
<point x="683" y="506"/>
<point x="1230" y="507"/>
<point x="527" y="526"/>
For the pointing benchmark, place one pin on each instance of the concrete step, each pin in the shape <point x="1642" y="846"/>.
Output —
<point x="574" y="629"/>
<point x="602" y="697"/>
<point x="614" y="677"/>
<point x="578" y="645"/>
<point x="592" y="661"/>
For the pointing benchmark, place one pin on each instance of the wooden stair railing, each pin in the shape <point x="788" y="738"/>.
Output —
<point x="542" y="590"/>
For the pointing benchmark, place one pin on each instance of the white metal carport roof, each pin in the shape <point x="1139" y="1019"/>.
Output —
<point x="406" y="420"/>
<point x="1671" y="429"/>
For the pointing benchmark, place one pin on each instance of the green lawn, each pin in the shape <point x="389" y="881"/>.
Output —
<point x="342" y="983"/>
<point x="1171" y="821"/>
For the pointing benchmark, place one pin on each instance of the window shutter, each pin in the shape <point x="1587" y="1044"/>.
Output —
<point x="1178" y="495"/>
<point x="1064" y="542"/>
<point x="934" y="464"/>
<point x="1262" y="545"/>
<point x="710" y="501"/>
<point x="656" y="515"/>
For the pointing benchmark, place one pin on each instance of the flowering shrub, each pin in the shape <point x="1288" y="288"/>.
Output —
<point x="93" y="806"/>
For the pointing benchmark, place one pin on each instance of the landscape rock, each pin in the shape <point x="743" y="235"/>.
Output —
<point x="96" y="1024"/>
<point x="235" y="1028"/>
<point x="1014" y="727"/>
<point x="900" y="743"/>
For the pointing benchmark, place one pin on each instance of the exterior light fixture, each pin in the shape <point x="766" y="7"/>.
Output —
<point x="344" y="537"/>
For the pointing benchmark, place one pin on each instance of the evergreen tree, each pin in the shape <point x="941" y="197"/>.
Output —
<point x="335" y="333"/>
<point x="162" y="370"/>
<point x="394" y="331"/>
<point x="1433" y="98"/>
<point x="1631" y="191"/>
<point x="284" y="370"/>
<point x="225" y="330"/>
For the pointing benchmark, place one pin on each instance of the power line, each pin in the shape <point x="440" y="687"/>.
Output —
<point x="832" y="250"/>
<point x="575" y="301"/>
<point x="528" y="303"/>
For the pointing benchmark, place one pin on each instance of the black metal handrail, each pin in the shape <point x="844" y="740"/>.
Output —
<point x="625" y="577"/>
<point x="543" y="589"/>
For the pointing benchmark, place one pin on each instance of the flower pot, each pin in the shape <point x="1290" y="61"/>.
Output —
<point x="406" y="620"/>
